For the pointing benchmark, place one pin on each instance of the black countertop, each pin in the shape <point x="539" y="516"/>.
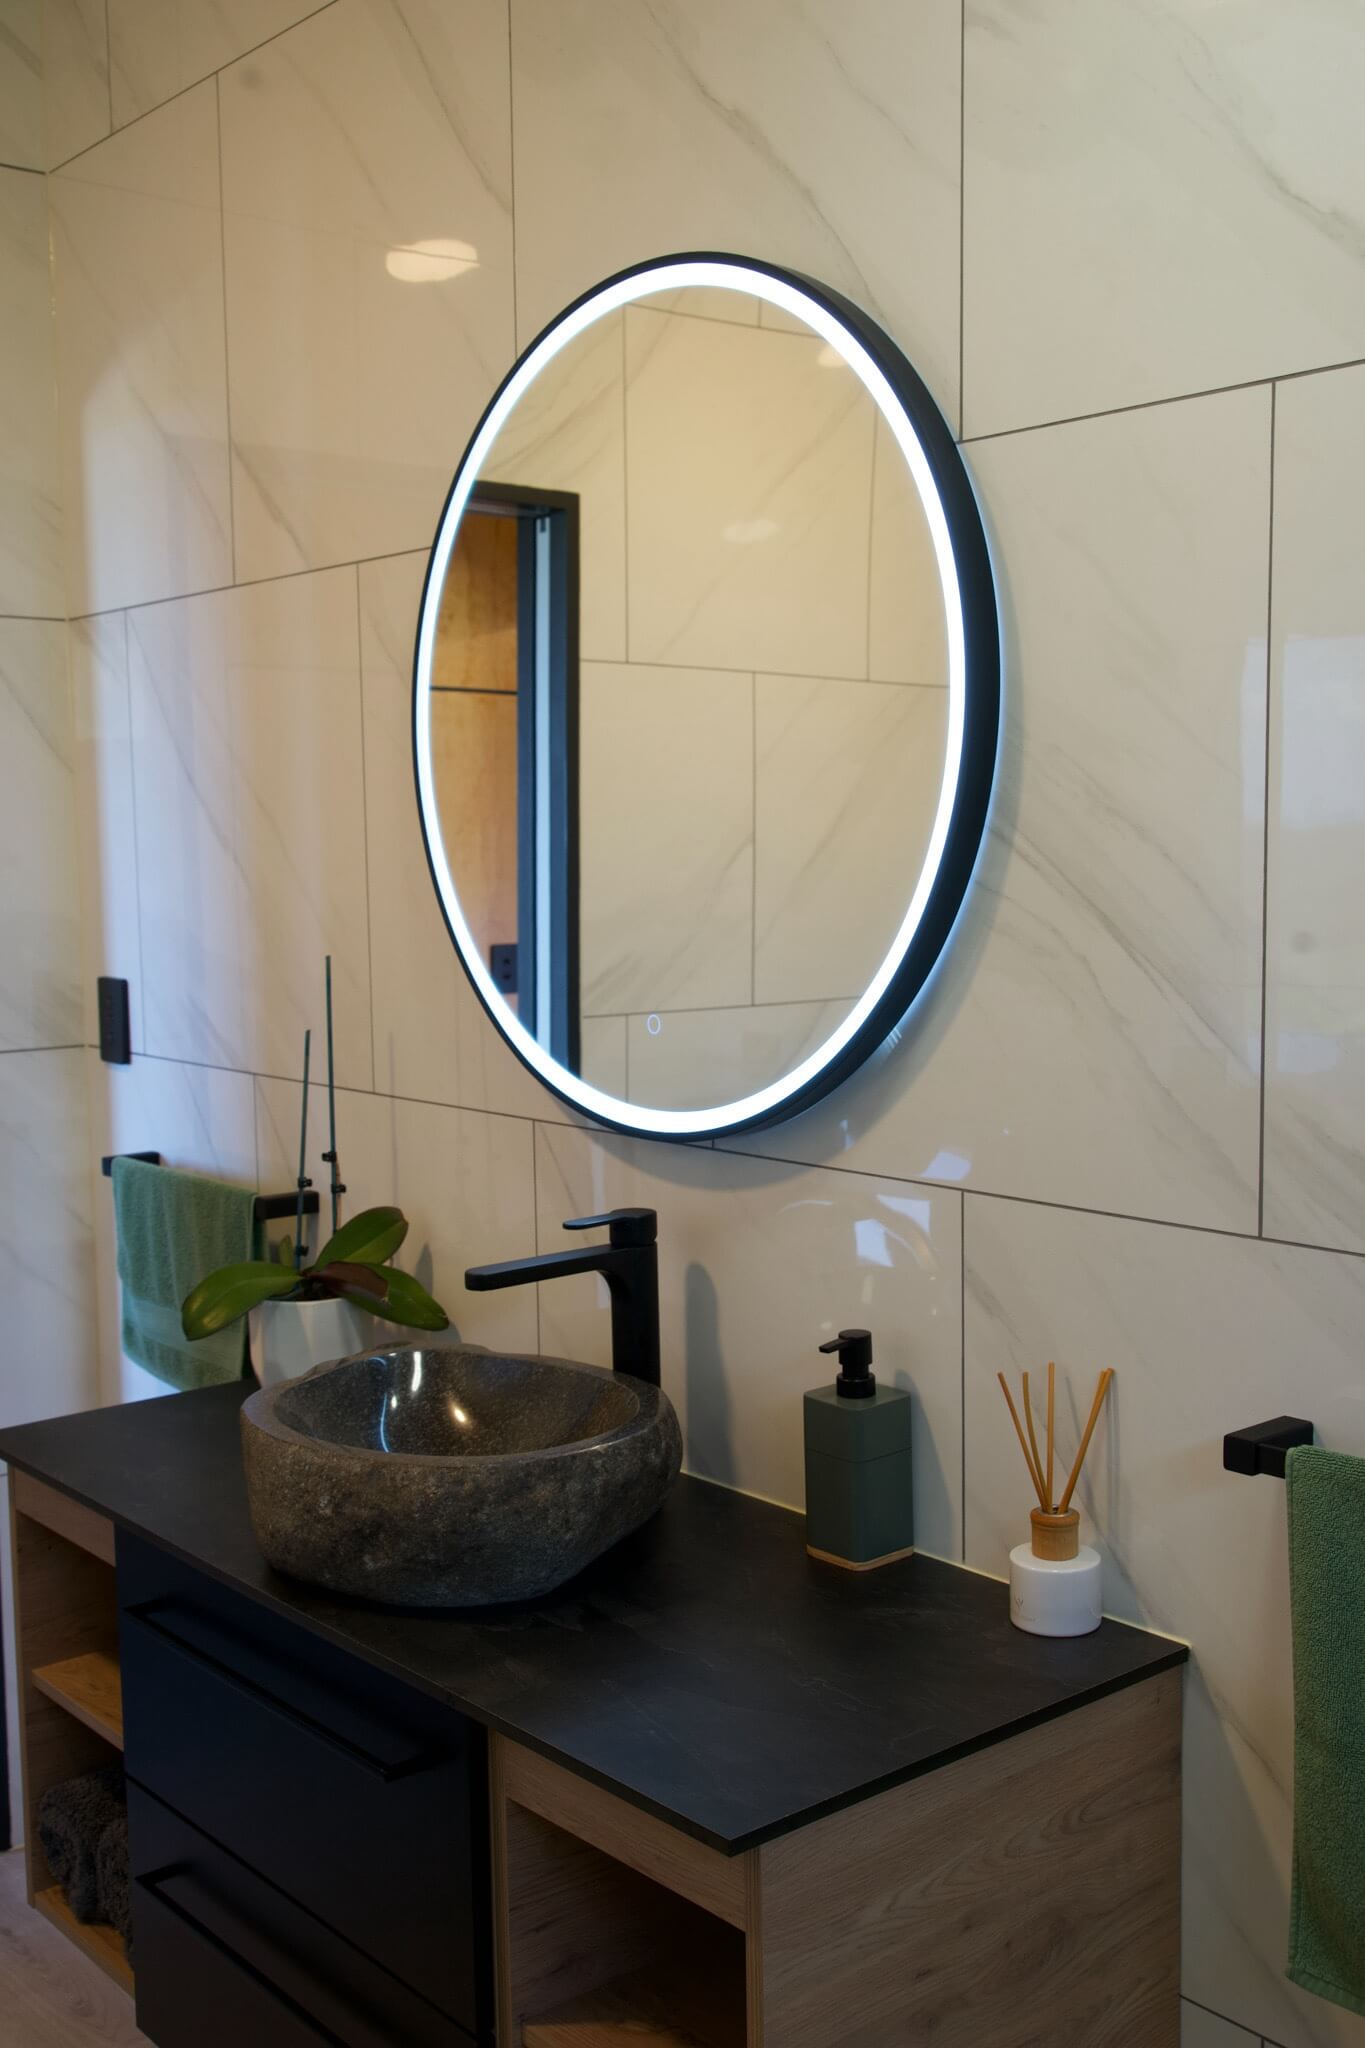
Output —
<point x="706" y="1670"/>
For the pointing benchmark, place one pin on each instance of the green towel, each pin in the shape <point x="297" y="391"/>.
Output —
<point x="173" y="1229"/>
<point x="1326" y="1493"/>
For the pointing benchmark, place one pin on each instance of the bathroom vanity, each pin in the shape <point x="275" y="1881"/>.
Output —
<point x="711" y="1793"/>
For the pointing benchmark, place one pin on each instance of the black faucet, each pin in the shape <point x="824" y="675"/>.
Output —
<point x="628" y="1262"/>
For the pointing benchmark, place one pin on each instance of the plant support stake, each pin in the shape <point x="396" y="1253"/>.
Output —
<point x="303" y="1180"/>
<point x="338" y="1184"/>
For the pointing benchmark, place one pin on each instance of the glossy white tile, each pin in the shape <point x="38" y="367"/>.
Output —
<point x="366" y="196"/>
<point x="246" y="728"/>
<point x="1157" y="199"/>
<point x="431" y="1037"/>
<point x="30" y="491"/>
<point x="906" y="632"/>
<point x="758" y="1265"/>
<point x="75" y="76"/>
<point x="106" y="828"/>
<point x="45" y="1245"/>
<point x="1206" y="1333"/>
<point x="465" y="1182"/>
<point x="846" y="785"/>
<point x="666" y="838"/>
<point x="1201" y="2029"/>
<point x="1091" y="1037"/>
<point x="158" y="47"/>
<point x="139" y="295"/>
<point x="22" y="134"/>
<point x="198" y="1118"/>
<point x="827" y="139"/>
<point x="749" y="530"/>
<point x="1315" y="958"/>
<point x="40" y="923"/>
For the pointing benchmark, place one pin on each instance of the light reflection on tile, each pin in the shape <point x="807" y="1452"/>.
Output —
<point x="97" y="651"/>
<point x="40" y="996"/>
<point x="158" y="47"/>
<point x="30" y="490"/>
<point x="45" y="1245"/>
<point x="1315" y="969"/>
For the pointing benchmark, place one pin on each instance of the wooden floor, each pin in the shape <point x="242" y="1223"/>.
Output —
<point x="50" y="1995"/>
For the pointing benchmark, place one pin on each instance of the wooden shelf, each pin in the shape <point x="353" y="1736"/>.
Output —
<point x="651" y="2008"/>
<point x="89" y="1687"/>
<point x="101" y="1943"/>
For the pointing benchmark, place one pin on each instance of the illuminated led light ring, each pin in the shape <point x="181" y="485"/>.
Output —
<point x="973" y="638"/>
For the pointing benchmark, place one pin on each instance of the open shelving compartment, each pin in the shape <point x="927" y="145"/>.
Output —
<point x="613" y="1928"/>
<point x="70" y="1699"/>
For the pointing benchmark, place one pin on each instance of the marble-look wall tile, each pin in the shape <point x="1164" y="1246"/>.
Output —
<point x="602" y="1053"/>
<point x="1157" y="200"/>
<point x="198" y="1118"/>
<point x="464" y="1180"/>
<point x="97" y="653"/>
<point x="1206" y="1332"/>
<point x="75" y="76"/>
<point x="247" y="765"/>
<point x="48" y="1365"/>
<point x="1315" y="959"/>
<point x="846" y="785"/>
<point x="695" y="1059"/>
<point x="568" y="434"/>
<point x="139" y="293"/>
<point x="431" y="1037"/>
<point x="748" y="482"/>
<point x="1091" y="1038"/>
<point x="40" y="924"/>
<point x="823" y="137"/>
<point x="906" y="627"/>
<point x="158" y="47"/>
<point x="367" y="210"/>
<point x="666" y="838"/>
<point x="22" y="136"/>
<point x="30" y="492"/>
<point x="1201" y="2029"/>
<point x="758" y="1265"/>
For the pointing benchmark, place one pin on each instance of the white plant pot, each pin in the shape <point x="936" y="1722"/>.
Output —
<point x="288" y="1338"/>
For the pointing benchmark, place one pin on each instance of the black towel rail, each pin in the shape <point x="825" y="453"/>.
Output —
<point x="269" y="1208"/>
<point x="1262" y="1447"/>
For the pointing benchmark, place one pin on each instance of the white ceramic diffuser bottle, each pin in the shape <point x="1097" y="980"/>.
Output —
<point x="1055" y="1579"/>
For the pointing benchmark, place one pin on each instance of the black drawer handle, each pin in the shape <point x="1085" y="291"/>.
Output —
<point x="405" y="1767"/>
<point x="158" y="1881"/>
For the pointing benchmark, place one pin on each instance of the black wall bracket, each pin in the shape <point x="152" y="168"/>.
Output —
<point x="1262" y="1447"/>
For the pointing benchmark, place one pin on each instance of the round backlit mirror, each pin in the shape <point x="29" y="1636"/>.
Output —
<point x="707" y="696"/>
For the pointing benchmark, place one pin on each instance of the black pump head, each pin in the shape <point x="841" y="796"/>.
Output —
<point x="855" y="1381"/>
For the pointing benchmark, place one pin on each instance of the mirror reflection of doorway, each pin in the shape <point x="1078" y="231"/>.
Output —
<point x="505" y="747"/>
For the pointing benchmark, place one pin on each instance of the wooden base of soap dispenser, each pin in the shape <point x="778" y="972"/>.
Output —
<point x="848" y="1564"/>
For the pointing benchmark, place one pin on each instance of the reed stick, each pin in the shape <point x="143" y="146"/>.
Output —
<point x="1051" y="1412"/>
<point x="1033" y="1446"/>
<point x="1100" y="1391"/>
<point x="1033" y="1474"/>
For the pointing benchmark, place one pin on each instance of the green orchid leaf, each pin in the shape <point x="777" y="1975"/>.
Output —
<point x="349" y="1276"/>
<point x="369" y="1238"/>
<point x="407" y="1302"/>
<point x="230" y="1292"/>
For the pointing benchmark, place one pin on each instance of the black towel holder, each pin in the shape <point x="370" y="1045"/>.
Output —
<point x="1262" y="1447"/>
<point x="269" y="1208"/>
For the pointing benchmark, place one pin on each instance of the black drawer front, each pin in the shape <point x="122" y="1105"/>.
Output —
<point x="362" y="1800"/>
<point x="224" y="1959"/>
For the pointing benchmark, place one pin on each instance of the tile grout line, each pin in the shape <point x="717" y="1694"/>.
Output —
<point x="137" y="859"/>
<point x="365" y="826"/>
<point x="1265" y="816"/>
<point x="108" y="68"/>
<point x="227" y="360"/>
<point x="512" y="180"/>
<point x="962" y="224"/>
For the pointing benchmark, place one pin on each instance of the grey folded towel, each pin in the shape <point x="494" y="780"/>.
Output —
<point x="71" y="1818"/>
<point x="112" y="1879"/>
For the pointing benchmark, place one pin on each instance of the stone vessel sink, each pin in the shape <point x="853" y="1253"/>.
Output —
<point x="439" y="1476"/>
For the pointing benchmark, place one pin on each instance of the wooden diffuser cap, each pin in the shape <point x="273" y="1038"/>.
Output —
<point x="1055" y="1537"/>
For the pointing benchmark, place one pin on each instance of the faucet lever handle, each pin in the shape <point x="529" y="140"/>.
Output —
<point x="626" y="1227"/>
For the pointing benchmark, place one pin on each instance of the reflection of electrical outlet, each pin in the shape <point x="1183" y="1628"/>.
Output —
<point x="502" y="965"/>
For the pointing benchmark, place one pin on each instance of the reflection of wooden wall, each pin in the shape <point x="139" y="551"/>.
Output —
<point x="474" y="725"/>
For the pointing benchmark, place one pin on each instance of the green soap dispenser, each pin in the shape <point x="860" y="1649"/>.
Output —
<point x="859" y="1503"/>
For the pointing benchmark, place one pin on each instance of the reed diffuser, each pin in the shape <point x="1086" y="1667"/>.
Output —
<point x="1054" y="1578"/>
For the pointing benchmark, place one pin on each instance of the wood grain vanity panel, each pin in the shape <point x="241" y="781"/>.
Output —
<point x="65" y="1517"/>
<point x="1026" y="1894"/>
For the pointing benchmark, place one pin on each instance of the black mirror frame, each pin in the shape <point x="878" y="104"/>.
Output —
<point x="981" y="707"/>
